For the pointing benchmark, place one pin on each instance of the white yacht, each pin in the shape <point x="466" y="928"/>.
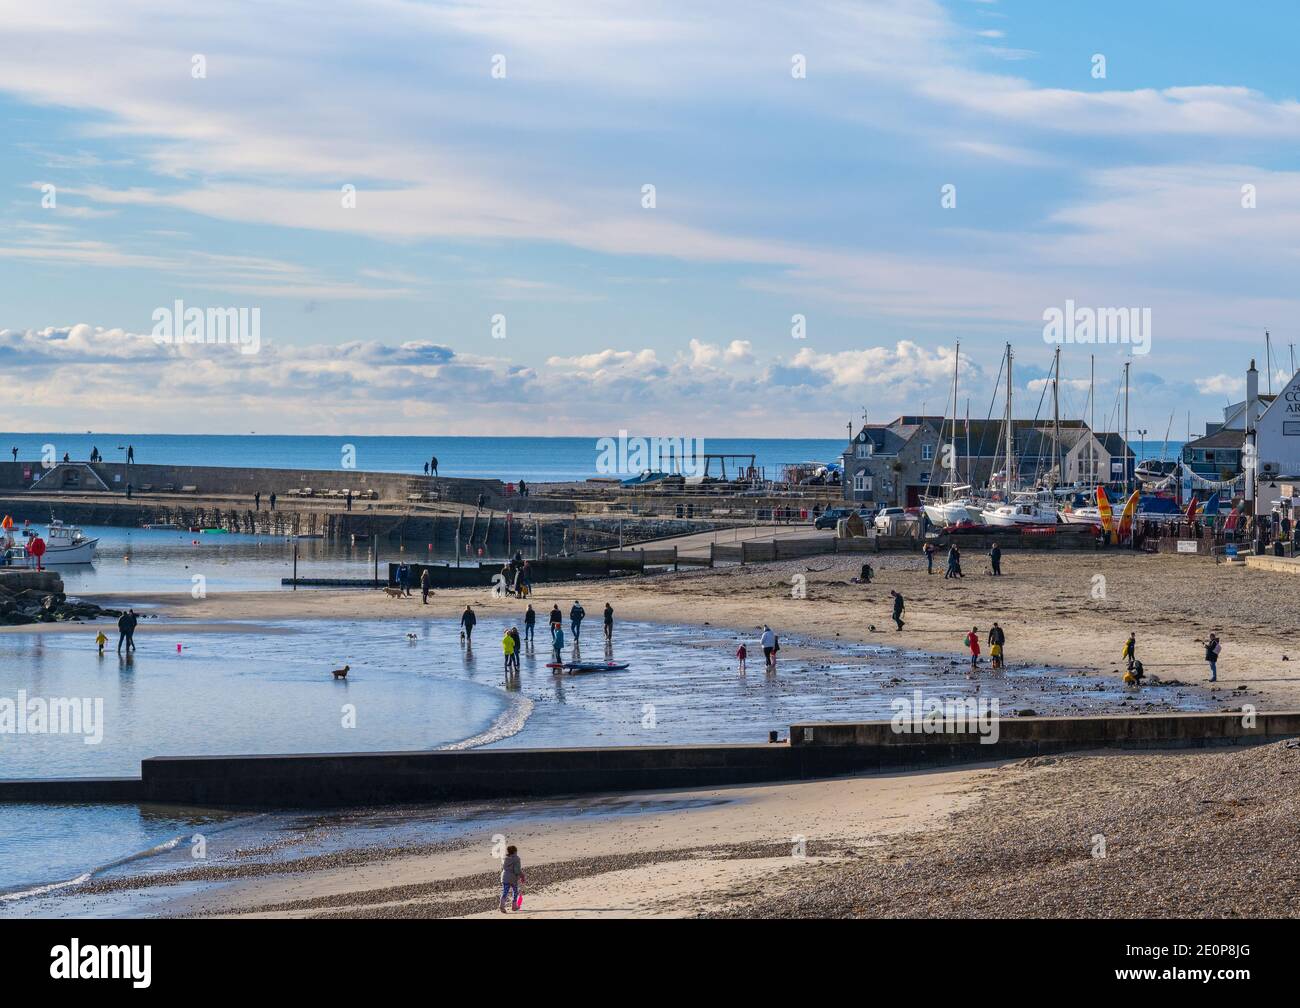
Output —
<point x="958" y="509"/>
<point x="1025" y="509"/>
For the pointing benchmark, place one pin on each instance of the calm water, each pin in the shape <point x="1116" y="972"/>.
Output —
<point x="509" y="458"/>
<point x="154" y="560"/>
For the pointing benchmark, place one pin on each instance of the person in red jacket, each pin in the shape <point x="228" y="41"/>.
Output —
<point x="973" y="642"/>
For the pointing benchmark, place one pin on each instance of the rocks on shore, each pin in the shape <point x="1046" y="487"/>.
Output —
<point x="36" y="605"/>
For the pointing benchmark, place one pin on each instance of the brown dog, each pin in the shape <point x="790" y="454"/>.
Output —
<point x="341" y="673"/>
<point x="393" y="592"/>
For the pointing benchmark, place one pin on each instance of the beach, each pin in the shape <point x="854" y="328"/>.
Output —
<point x="1045" y="602"/>
<point x="771" y="849"/>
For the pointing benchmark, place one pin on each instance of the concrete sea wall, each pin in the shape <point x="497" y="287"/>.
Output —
<point x="813" y="751"/>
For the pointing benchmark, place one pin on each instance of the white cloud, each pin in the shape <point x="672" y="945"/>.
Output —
<point x="1233" y="386"/>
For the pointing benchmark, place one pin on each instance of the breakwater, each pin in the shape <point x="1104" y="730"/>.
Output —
<point x="812" y="751"/>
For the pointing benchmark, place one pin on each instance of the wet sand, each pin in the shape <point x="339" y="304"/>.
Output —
<point x="1068" y="609"/>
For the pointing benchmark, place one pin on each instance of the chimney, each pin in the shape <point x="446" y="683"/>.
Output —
<point x="1252" y="393"/>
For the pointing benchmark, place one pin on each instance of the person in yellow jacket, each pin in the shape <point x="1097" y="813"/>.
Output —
<point x="1130" y="651"/>
<point x="508" y="649"/>
<point x="101" y="640"/>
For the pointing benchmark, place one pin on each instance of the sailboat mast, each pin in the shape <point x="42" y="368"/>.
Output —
<point x="952" y="454"/>
<point x="1127" y="475"/>
<point x="1092" y="416"/>
<point x="1056" y="418"/>
<point x="1010" y="436"/>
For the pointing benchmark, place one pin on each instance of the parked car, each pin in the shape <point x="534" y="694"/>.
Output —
<point x="883" y="518"/>
<point x="828" y="518"/>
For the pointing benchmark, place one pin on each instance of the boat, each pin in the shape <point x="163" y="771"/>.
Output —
<point x="954" y="508"/>
<point x="1082" y="516"/>
<point x="1155" y="470"/>
<point x="64" y="544"/>
<point x="1025" y="509"/>
<point x="163" y="526"/>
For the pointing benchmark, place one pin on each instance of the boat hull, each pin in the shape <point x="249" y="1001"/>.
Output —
<point x="79" y="553"/>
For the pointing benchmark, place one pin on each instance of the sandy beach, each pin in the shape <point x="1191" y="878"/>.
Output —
<point x="1096" y="834"/>
<point x="994" y="840"/>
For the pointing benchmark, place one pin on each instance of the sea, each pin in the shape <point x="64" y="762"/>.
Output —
<point x="535" y="459"/>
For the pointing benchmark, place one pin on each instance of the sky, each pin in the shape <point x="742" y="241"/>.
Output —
<point x="674" y="218"/>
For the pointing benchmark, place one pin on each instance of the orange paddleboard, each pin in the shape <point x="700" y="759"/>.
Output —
<point x="1126" y="516"/>
<point x="1103" y="510"/>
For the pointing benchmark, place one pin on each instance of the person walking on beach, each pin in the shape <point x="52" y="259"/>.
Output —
<point x="609" y="621"/>
<point x="467" y="621"/>
<point x="530" y="622"/>
<point x="557" y="643"/>
<point x="100" y="640"/>
<point x="130" y="454"/>
<point x="349" y="500"/>
<point x="519" y="645"/>
<point x="426" y="468"/>
<point x="576" y="616"/>
<point x="272" y="500"/>
<point x="126" y="630"/>
<point x="995" y="560"/>
<point x="741" y="654"/>
<point x="433" y="464"/>
<point x="1129" y="653"/>
<point x="556" y="617"/>
<point x="929" y="558"/>
<point x="898" y="609"/>
<point x="512" y="873"/>
<point x="1212" y="651"/>
<point x="973" y="642"/>
<point x="257" y="501"/>
<point x="424" y="586"/>
<point x="528" y="578"/>
<point x="768" y="643"/>
<point x="997" y="638"/>
<point x="508" y="651"/>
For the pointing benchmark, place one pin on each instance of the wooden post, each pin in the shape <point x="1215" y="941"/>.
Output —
<point x="675" y="555"/>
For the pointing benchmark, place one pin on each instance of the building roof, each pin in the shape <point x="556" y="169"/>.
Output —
<point x="1232" y="437"/>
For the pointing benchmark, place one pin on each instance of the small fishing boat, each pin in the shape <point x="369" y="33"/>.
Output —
<point x="64" y="544"/>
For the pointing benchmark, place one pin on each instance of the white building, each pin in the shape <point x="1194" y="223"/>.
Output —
<point x="1277" y="441"/>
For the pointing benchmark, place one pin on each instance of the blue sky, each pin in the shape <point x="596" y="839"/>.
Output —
<point x="521" y="196"/>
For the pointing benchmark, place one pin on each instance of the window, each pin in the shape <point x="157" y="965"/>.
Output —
<point x="861" y="482"/>
<point x="927" y="452"/>
<point x="864" y="450"/>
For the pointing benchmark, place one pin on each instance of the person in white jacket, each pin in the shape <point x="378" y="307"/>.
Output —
<point x="768" y="641"/>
